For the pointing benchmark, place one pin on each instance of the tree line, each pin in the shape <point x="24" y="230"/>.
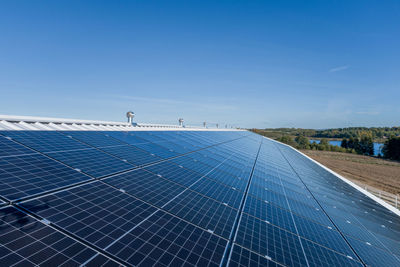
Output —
<point x="363" y="145"/>
<point x="377" y="133"/>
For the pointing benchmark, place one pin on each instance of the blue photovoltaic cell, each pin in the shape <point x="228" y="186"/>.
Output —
<point x="323" y="235"/>
<point x="92" y="162"/>
<point x="146" y="186"/>
<point x="315" y="214"/>
<point x="218" y="192"/>
<point x="10" y="148"/>
<point x="24" y="241"/>
<point x="267" y="212"/>
<point x="270" y="196"/>
<point x="204" y="212"/>
<point x="190" y="162"/>
<point x="45" y="141"/>
<point x="157" y="150"/>
<point x="175" y="173"/>
<point x="96" y="139"/>
<point x="168" y="241"/>
<point x="95" y="212"/>
<point x="373" y="256"/>
<point x="242" y="257"/>
<point x="322" y="256"/>
<point x="239" y="183"/>
<point x="24" y="176"/>
<point x="131" y="154"/>
<point x="261" y="237"/>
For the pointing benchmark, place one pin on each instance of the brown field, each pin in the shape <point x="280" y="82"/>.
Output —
<point x="379" y="173"/>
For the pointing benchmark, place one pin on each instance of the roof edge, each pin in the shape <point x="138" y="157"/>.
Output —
<point x="11" y="122"/>
<point x="56" y="120"/>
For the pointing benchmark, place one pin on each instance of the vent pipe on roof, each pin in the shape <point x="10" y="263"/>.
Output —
<point x="180" y="120"/>
<point x="130" y="116"/>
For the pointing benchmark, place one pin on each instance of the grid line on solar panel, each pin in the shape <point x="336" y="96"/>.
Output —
<point x="266" y="239"/>
<point x="45" y="141"/>
<point x="93" y="162"/>
<point x="95" y="212"/>
<point x="168" y="241"/>
<point x="243" y="257"/>
<point x="9" y="148"/>
<point x="321" y="256"/>
<point x="174" y="173"/>
<point x="218" y="192"/>
<point x="239" y="183"/>
<point x="94" y="139"/>
<point x="24" y="241"/>
<point x="146" y="186"/>
<point x="373" y="256"/>
<point x="25" y="176"/>
<point x="131" y="154"/>
<point x="323" y="235"/>
<point x="352" y="227"/>
<point x="270" y="213"/>
<point x="204" y="212"/>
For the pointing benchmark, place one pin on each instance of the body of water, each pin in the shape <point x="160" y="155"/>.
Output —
<point x="377" y="146"/>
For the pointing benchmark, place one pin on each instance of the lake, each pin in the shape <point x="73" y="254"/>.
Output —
<point x="377" y="146"/>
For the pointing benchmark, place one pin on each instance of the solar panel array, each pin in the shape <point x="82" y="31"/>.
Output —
<point x="174" y="198"/>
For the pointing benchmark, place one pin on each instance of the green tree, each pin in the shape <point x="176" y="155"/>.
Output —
<point x="302" y="142"/>
<point x="344" y="143"/>
<point x="391" y="149"/>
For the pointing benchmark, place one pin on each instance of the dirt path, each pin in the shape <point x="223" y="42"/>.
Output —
<point x="379" y="173"/>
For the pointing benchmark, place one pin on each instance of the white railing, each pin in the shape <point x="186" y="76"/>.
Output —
<point x="392" y="199"/>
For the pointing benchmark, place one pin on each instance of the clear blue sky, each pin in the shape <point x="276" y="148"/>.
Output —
<point x="314" y="64"/>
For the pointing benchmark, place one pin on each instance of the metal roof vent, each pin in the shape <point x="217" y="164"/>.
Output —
<point x="180" y="120"/>
<point x="130" y="116"/>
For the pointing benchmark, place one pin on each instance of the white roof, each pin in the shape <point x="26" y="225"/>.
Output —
<point x="23" y="123"/>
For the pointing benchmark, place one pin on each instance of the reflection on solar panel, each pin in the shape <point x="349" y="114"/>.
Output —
<point x="174" y="198"/>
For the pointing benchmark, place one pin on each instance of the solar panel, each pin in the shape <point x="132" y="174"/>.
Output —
<point x="244" y="257"/>
<point x="45" y="141"/>
<point x="174" y="198"/>
<point x="10" y="148"/>
<point x="166" y="240"/>
<point x="131" y="154"/>
<point x="204" y="212"/>
<point x="146" y="186"/>
<point x="25" y="241"/>
<point x="28" y="175"/>
<point x="273" y="242"/>
<point x="92" y="161"/>
<point x="95" y="212"/>
<point x="222" y="193"/>
<point x="95" y="139"/>
<point x="175" y="173"/>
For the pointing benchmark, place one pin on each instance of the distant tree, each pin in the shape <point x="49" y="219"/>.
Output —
<point x="366" y="145"/>
<point x="287" y="140"/>
<point x="391" y="149"/>
<point x="344" y="143"/>
<point x="302" y="142"/>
